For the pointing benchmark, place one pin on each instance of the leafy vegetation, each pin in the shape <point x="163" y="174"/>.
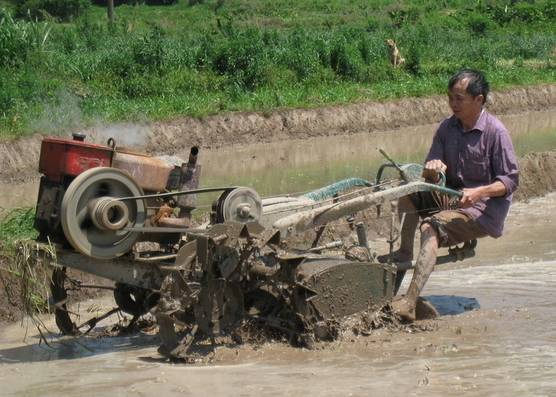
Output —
<point x="202" y="57"/>
<point x="63" y="10"/>
<point x="16" y="224"/>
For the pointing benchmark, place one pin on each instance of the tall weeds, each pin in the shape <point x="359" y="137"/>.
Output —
<point x="19" y="38"/>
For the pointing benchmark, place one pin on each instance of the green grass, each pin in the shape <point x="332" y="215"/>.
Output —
<point x="16" y="224"/>
<point x="163" y="62"/>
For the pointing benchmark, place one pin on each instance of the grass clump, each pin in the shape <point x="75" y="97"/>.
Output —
<point x="16" y="224"/>
<point x="24" y="264"/>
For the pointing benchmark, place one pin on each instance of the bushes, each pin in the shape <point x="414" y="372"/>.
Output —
<point x="244" y="59"/>
<point x="303" y="55"/>
<point x="345" y="60"/>
<point x="223" y="62"/>
<point x="148" y="51"/>
<point x="63" y="10"/>
<point x="479" y="24"/>
<point x="136" y="2"/>
<point x="404" y="15"/>
<point x="160" y="2"/>
<point x="18" y="39"/>
<point x="520" y="12"/>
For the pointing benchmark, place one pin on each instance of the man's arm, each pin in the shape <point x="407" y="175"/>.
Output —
<point x="506" y="175"/>
<point x="473" y="195"/>
<point x="504" y="163"/>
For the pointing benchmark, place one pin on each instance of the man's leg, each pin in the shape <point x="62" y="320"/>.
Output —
<point x="408" y="212"/>
<point x="445" y="228"/>
<point x="405" y="305"/>
<point x="407" y="234"/>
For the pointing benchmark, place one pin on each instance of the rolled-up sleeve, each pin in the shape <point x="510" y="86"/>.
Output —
<point x="504" y="162"/>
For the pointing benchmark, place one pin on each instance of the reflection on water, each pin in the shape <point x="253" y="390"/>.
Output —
<point x="70" y="348"/>
<point x="298" y="166"/>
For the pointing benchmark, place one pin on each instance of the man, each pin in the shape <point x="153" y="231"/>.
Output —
<point x="475" y="152"/>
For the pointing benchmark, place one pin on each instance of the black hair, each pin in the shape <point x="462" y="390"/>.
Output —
<point x="478" y="84"/>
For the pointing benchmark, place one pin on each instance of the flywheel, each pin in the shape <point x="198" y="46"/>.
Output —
<point x="94" y="220"/>
<point x="241" y="204"/>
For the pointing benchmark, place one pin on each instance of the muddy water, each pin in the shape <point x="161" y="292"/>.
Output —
<point x="295" y="166"/>
<point x="506" y="346"/>
<point x="301" y="165"/>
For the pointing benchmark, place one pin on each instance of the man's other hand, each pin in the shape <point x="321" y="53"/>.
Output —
<point x="432" y="169"/>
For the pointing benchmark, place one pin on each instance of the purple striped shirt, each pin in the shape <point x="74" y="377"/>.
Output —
<point x="478" y="157"/>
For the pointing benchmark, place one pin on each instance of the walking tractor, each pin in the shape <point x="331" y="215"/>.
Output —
<point x="127" y="217"/>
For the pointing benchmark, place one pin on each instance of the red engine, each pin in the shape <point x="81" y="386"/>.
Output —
<point x="61" y="159"/>
<point x="82" y="186"/>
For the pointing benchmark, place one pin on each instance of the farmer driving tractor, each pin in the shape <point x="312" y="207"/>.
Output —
<point x="475" y="152"/>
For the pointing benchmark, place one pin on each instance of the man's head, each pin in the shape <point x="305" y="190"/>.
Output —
<point x="467" y="93"/>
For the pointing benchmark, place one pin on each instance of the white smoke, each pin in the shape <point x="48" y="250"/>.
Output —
<point x="125" y="134"/>
<point x="63" y="115"/>
<point x="58" y="115"/>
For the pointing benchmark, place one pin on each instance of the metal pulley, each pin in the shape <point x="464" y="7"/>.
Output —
<point x="241" y="204"/>
<point x="94" y="219"/>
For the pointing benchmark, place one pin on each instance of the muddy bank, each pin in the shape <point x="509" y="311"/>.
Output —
<point x="13" y="290"/>
<point x="11" y="301"/>
<point x="537" y="175"/>
<point x="245" y="128"/>
<point x="18" y="158"/>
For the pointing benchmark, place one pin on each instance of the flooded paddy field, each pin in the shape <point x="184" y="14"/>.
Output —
<point x="495" y="337"/>
<point x="301" y="165"/>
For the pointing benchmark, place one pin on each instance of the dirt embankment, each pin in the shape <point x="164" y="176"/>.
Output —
<point x="537" y="175"/>
<point x="245" y="128"/>
<point x="18" y="158"/>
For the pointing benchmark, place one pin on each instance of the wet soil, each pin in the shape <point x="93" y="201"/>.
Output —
<point x="537" y="175"/>
<point x="495" y="337"/>
<point x="12" y="307"/>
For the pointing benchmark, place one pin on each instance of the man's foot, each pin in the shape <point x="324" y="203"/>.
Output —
<point x="424" y="310"/>
<point x="403" y="309"/>
<point x="396" y="257"/>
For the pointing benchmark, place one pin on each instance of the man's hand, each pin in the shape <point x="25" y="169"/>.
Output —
<point x="471" y="196"/>
<point x="432" y="169"/>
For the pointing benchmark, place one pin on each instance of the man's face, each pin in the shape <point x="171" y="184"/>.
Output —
<point x="465" y="106"/>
